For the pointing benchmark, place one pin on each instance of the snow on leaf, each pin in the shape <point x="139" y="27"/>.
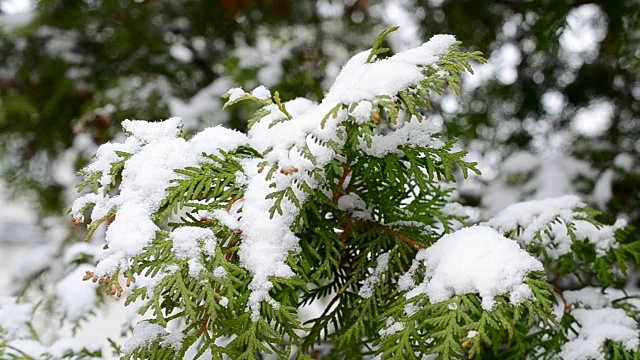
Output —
<point x="475" y="260"/>
<point x="14" y="318"/>
<point x="596" y="327"/>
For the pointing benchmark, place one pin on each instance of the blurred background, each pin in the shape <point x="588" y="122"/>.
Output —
<point x="555" y="110"/>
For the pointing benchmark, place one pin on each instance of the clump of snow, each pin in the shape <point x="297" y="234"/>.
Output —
<point x="204" y="106"/>
<point x="366" y="291"/>
<point x="187" y="239"/>
<point x="360" y="81"/>
<point x="267" y="241"/>
<point x="220" y="272"/>
<point x="145" y="333"/>
<point x="62" y="346"/>
<point x="534" y="222"/>
<point x="520" y="162"/>
<point x="416" y="132"/>
<point x="29" y="347"/>
<point x="76" y="297"/>
<point x="261" y="93"/>
<point x="596" y="327"/>
<point x="157" y="150"/>
<point x="362" y="112"/>
<point x="603" y="237"/>
<point x="235" y="93"/>
<point x="535" y="215"/>
<point x="392" y="327"/>
<point x="592" y="297"/>
<point x="354" y="204"/>
<point x="14" y="318"/>
<point x="474" y="260"/>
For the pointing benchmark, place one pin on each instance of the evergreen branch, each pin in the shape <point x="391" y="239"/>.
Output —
<point x="377" y="45"/>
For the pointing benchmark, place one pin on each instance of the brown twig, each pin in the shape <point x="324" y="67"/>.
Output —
<point x="402" y="237"/>
<point x="567" y="306"/>
<point x="233" y="201"/>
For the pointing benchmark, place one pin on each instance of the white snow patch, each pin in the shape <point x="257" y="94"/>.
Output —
<point x="596" y="327"/>
<point x="475" y="260"/>
<point x="145" y="333"/>
<point x="535" y="215"/>
<point x="366" y="291"/>
<point x="14" y="318"/>
<point x="157" y="150"/>
<point x="416" y="132"/>
<point x="76" y="297"/>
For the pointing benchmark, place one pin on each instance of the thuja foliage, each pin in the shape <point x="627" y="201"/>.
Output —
<point x="327" y="230"/>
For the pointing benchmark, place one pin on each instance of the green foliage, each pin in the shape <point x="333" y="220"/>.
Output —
<point x="361" y="207"/>
<point x="460" y="328"/>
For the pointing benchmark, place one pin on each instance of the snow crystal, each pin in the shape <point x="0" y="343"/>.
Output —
<point x="224" y="301"/>
<point x="475" y="260"/>
<point x="471" y="334"/>
<point x="596" y="327"/>
<point x="366" y="291"/>
<point x="14" y="318"/>
<point x="145" y="333"/>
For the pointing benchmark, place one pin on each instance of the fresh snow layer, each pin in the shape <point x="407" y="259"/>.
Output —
<point x="538" y="217"/>
<point x="157" y="150"/>
<point x="145" y="333"/>
<point x="76" y="297"/>
<point x="286" y="142"/>
<point x="596" y="327"/>
<point x="14" y="318"/>
<point x="268" y="241"/>
<point x="416" y="132"/>
<point x="535" y="215"/>
<point x="474" y="260"/>
<point x="361" y="81"/>
<point x="366" y="291"/>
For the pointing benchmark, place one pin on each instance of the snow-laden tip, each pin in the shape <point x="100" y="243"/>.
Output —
<point x="597" y="326"/>
<point x="145" y="333"/>
<point x="474" y="260"/>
